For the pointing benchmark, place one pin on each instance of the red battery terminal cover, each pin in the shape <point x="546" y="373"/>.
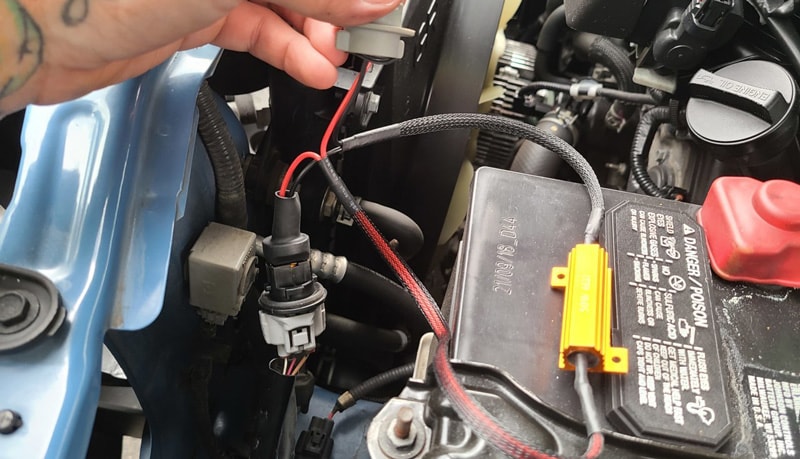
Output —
<point x="753" y="230"/>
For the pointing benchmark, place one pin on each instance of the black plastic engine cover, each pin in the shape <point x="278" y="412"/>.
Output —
<point x="713" y="366"/>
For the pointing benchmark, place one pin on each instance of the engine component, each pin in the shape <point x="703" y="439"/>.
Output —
<point x="753" y="230"/>
<point x="515" y="71"/>
<point x="700" y="346"/>
<point x="221" y="269"/>
<point x="394" y="224"/>
<point x="548" y="45"/>
<point x="687" y="36"/>
<point x="645" y="131"/>
<point x="398" y="432"/>
<point x="328" y="266"/>
<point x="534" y="159"/>
<point x="293" y="304"/>
<point x="382" y="38"/>
<point x="746" y="114"/>
<point x="611" y="55"/>
<point x="599" y="17"/>
<point x="586" y="321"/>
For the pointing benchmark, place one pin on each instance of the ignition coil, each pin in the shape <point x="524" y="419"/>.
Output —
<point x="293" y="302"/>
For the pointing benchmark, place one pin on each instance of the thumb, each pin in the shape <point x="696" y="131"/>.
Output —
<point x="340" y="12"/>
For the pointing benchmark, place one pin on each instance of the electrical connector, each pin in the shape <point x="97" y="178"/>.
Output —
<point x="221" y="269"/>
<point x="381" y="38"/>
<point x="317" y="441"/>
<point x="293" y="304"/>
<point x="586" y="323"/>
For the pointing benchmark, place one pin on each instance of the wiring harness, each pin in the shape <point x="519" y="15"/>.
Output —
<point x="478" y="419"/>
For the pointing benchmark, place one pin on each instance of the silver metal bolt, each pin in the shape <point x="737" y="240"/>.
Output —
<point x="10" y="421"/>
<point x="401" y="432"/>
<point x="402" y="425"/>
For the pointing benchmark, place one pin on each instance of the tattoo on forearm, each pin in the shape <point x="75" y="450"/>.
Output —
<point x="21" y="46"/>
<point x="75" y="12"/>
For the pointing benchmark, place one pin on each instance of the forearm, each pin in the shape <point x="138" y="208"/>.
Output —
<point x="57" y="50"/>
<point x="21" y="54"/>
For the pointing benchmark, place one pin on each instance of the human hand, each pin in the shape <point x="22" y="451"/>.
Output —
<point x="56" y="50"/>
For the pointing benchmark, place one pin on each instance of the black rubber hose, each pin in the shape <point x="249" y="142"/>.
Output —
<point x="344" y="332"/>
<point x="788" y="39"/>
<point x="390" y="293"/>
<point x="534" y="159"/>
<point x="349" y="398"/>
<point x="231" y="206"/>
<point x="603" y="51"/>
<point x="396" y="225"/>
<point x="547" y="46"/>
<point x="645" y="131"/>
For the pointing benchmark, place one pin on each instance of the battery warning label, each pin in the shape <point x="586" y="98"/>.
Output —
<point x="674" y="389"/>
<point x="775" y="409"/>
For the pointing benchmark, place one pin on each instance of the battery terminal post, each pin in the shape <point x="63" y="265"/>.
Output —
<point x="586" y="322"/>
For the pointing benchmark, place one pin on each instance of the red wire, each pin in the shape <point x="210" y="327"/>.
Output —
<point x="323" y="146"/>
<point x="507" y="442"/>
<point x="287" y="178"/>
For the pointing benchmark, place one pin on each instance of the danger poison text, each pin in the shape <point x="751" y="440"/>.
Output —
<point x="696" y="291"/>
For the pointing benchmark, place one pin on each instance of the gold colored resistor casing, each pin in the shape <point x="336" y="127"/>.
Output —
<point x="586" y="323"/>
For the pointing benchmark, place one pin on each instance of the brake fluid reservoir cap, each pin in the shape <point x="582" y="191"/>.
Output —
<point x="753" y="230"/>
<point x="745" y="112"/>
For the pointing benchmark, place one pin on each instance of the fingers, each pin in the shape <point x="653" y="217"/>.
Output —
<point x="264" y="34"/>
<point x="323" y="37"/>
<point x="321" y="34"/>
<point x="340" y="12"/>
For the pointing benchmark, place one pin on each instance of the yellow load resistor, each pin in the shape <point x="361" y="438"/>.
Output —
<point x="586" y="324"/>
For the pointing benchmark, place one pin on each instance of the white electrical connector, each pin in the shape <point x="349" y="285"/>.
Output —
<point x="293" y="334"/>
<point x="382" y="38"/>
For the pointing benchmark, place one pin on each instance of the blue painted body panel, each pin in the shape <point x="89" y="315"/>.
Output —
<point x="102" y="182"/>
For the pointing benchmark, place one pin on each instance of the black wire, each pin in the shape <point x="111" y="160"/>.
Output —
<point x="349" y="398"/>
<point x="493" y="123"/>
<point x="306" y="169"/>
<point x="336" y="130"/>
<point x="591" y="416"/>
<point x="362" y="73"/>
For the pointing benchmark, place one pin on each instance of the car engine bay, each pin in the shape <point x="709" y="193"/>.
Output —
<point x="513" y="228"/>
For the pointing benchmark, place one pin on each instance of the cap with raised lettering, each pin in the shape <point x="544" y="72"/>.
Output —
<point x="745" y="114"/>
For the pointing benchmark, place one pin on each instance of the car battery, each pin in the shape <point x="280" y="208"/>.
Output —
<point x="713" y="369"/>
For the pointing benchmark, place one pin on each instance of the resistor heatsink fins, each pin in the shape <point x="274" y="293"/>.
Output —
<point x="586" y="322"/>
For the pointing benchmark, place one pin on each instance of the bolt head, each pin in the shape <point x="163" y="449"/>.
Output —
<point x="14" y="308"/>
<point x="373" y="103"/>
<point x="10" y="421"/>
